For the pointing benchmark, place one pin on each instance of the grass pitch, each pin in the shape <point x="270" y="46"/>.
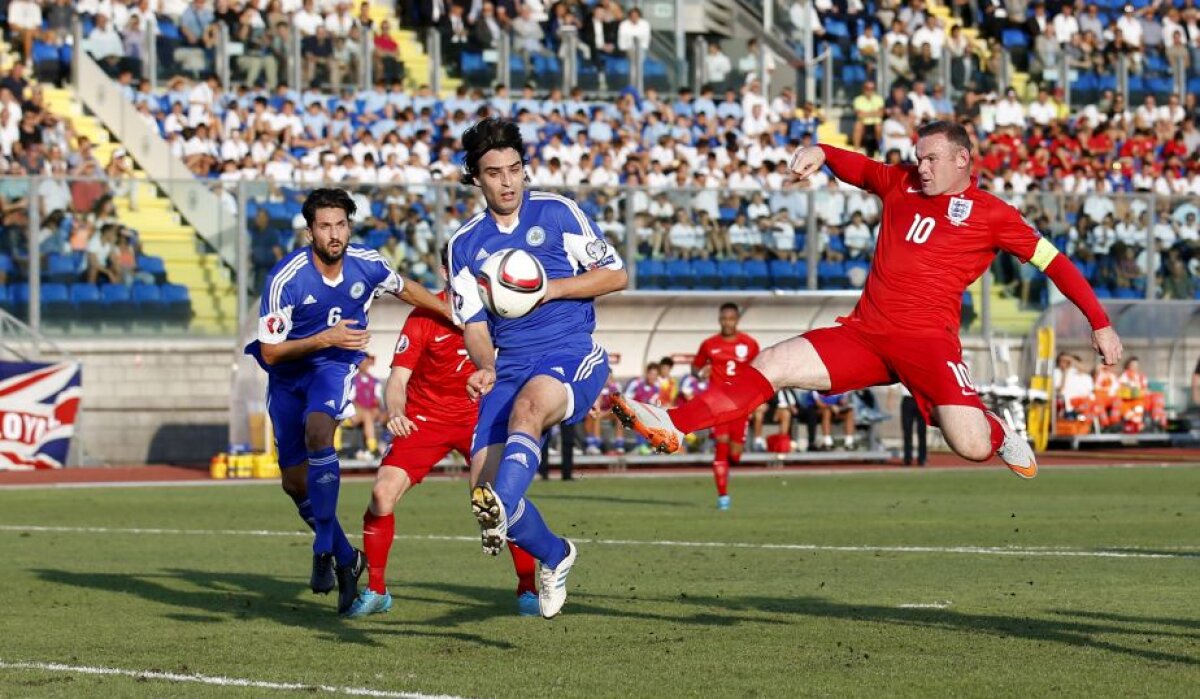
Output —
<point x="1082" y="582"/>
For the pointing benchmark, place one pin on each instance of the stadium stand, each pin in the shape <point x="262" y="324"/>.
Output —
<point x="719" y="210"/>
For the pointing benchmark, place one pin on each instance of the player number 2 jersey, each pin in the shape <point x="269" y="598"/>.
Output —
<point x="727" y="356"/>
<point x="930" y="249"/>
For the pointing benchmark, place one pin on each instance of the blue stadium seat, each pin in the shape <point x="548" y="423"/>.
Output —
<point x="650" y="274"/>
<point x="836" y="28"/>
<point x="153" y="265"/>
<point x="117" y="300"/>
<point x="1127" y="293"/>
<point x="177" y="302"/>
<point x="147" y="300"/>
<point x="853" y="75"/>
<point x="678" y="275"/>
<point x="61" y="268"/>
<point x="56" y="300"/>
<point x="86" y="299"/>
<point x="730" y="274"/>
<point x="784" y="274"/>
<point x="1102" y="292"/>
<point x="6" y="264"/>
<point x="169" y="30"/>
<point x="704" y="274"/>
<point x="376" y="238"/>
<point x="831" y="275"/>
<point x="757" y="274"/>
<point x="1014" y="39"/>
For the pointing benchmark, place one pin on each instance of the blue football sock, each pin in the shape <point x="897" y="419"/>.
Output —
<point x="304" y="509"/>
<point x="522" y="456"/>
<point x="324" y="481"/>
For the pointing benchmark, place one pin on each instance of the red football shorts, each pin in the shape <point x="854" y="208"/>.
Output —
<point x="735" y="430"/>
<point x="420" y="451"/>
<point x="931" y="367"/>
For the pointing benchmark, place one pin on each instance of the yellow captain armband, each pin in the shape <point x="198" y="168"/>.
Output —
<point x="1043" y="254"/>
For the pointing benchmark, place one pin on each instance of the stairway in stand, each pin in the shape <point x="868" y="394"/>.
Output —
<point x="160" y="229"/>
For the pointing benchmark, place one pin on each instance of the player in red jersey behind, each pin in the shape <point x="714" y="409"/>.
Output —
<point x="430" y="414"/>
<point x="939" y="232"/>
<point x="727" y="354"/>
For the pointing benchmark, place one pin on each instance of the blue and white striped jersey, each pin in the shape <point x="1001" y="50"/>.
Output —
<point x="299" y="302"/>
<point x="553" y="229"/>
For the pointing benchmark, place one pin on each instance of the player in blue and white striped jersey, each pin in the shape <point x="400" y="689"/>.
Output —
<point x="312" y="334"/>
<point x="548" y="369"/>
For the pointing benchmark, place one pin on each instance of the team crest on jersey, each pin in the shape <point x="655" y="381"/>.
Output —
<point x="402" y="344"/>
<point x="535" y="236"/>
<point x="358" y="290"/>
<point x="958" y="210"/>
<point x="742" y="351"/>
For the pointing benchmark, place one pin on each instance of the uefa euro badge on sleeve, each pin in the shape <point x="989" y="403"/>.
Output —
<point x="959" y="210"/>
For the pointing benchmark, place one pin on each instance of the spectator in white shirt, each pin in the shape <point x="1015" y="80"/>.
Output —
<point x="717" y="66"/>
<point x="104" y="44"/>
<point x="857" y="237"/>
<point x="307" y="19"/>
<point x="1042" y="111"/>
<point x="1065" y="24"/>
<point x="25" y="21"/>
<point x="633" y="30"/>
<point x="1009" y="111"/>
<point x="340" y="23"/>
<point x="1131" y="27"/>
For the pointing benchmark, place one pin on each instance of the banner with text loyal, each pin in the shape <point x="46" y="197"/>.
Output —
<point x="38" y="406"/>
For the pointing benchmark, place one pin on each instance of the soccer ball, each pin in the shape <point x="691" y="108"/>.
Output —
<point x="511" y="283"/>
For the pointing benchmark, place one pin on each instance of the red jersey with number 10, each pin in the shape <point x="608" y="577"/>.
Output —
<point x="433" y="348"/>
<point x="930" y="249"/>
<point x="727" y="356"/>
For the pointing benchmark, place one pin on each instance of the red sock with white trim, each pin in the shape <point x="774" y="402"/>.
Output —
<point x="725" y="402"/>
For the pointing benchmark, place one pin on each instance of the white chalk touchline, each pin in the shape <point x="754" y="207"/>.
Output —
<point x="1120" y="552"/>
<point x="943" y="604"/>
<point x="218" y="681"/>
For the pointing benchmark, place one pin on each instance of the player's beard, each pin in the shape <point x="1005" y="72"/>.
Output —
<point x="327" y="257"/>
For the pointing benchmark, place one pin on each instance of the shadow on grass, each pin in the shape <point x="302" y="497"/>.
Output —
<point x="1080" y="634"/>
<point x="208" y="597"/>
<point x="472" y="603"/>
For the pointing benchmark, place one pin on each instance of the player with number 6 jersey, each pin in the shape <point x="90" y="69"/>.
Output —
<point x="312" y="334"/>
<point x="939" y="232"/>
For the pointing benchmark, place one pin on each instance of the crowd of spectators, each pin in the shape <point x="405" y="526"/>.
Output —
<point x="708" y="167"/>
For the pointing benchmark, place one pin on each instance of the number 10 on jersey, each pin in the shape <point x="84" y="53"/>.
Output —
<point x="920" y="230"/>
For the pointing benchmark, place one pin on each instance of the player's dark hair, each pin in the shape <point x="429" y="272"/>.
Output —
<point x="486" y="135"/>
<point x="729" y="306"/>
<point x="445" y="257"/>
<point x="954" y="133"/>
<point x="327" y="199"/>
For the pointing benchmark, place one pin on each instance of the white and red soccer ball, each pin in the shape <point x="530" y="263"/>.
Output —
<point x="511" y="283"/>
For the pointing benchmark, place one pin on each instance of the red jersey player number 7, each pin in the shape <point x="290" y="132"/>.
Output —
<point x="939" y="232"/>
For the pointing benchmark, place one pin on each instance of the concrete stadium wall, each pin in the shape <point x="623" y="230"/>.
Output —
<point x="153" y="401"/>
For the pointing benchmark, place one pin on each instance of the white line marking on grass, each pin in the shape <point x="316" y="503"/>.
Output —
<point x="1117" y="552"/>
<point x="216" y="680"/>
<point x="943" y="604"/>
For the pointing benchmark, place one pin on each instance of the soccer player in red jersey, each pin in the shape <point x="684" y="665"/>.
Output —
<point x="939" y="232"/>
<point x="430" y="414"/>
<point x="727" y="354"/>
